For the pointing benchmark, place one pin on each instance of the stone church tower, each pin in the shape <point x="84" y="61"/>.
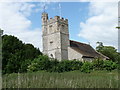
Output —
<point x="55" y="36"/>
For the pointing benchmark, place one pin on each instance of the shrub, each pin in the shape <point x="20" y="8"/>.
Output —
<point x="114" y="66"/>
<point x="98" y="64"/>
<point x="62" y="66"/>
<point x="40" y="63"/>
<point x="53" y="65"/>
<point x="109" y="65"/>
<point x="76" y="65"/>
<point x="118" y="67"/>
<point x="33" y="67"/>
<point x="43" y="62"/>
<point x="87" y="67"/>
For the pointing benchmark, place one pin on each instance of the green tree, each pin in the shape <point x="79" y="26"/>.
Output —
<point x="16" y="54"/>
<point x="100" y="46"/>
<point x="108" y="51"/>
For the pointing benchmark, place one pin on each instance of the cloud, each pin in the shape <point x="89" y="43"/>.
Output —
<point x="32" y="0"/>
<point x="59" y="0"/>
<point x="41" y="6"/>
<point x="14" y="21"/>
<point x="98" y="0"/>
<point x="100" y="26"/>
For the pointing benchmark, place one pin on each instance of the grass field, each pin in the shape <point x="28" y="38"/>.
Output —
<point x="74" y="79"/>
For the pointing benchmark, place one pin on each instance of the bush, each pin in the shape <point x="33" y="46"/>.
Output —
<point x="109" y="65"/>
<point x="64" y="65"/>
<point x="98" y="64"/>
<point x="76" y="65"/>
<point x="118" y="67"/>
<point x="33" y="67"/>
<point x="53" y="65"/>
<point x="114" y="66"/>
<point x="43" y="62"/>
<point x="40" y="63"/>
<point x="87" y="67"/>
<point x="24" y="65"/>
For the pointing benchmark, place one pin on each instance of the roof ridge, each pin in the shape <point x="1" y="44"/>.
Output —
<point x="80" y="42"/>
<point x="85" y="49"/>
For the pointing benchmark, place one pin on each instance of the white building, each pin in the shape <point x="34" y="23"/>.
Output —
<point x="56" y="43"/>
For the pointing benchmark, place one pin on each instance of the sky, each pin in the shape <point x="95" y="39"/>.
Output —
<point x="89" y="22"/>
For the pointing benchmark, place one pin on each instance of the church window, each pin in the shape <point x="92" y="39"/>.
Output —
<point x="51" y="55"/>
<point x="51" y="42"/>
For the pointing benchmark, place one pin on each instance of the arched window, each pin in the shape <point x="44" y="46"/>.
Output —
<point x="51" y="55"/>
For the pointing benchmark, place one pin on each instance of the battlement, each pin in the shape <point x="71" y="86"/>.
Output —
<point x="58" y="19"/>
<point x="55" y="36"/>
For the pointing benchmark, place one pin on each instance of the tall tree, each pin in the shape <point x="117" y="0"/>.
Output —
<point x="108" y="51"/>
<point x="16" y="54"/>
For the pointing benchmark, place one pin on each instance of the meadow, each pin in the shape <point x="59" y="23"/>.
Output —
<point x="72" y="79"/>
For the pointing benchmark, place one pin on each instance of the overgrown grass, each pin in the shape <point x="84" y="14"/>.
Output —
<point x="74" y="79"/>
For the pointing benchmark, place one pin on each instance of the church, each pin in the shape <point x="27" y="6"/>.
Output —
<point x="56" y="43"/>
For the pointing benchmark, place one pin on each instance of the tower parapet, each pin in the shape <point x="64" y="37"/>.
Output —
<point x="55" y="37"/>
<point x="57" y="24"/>
<point x="58" y="19"/>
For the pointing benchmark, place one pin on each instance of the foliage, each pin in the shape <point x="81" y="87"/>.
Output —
<point x="109" y="65"/>
<point x="118" y="67"/>
<point x="87" y="67"/>
<point x="60" y="66"/>
<point x="98" y="64"/>
<point x="54" y="66"/>
<point x="108" y="51"/>
<point x="100" y="46"/>
<point x="40" y="63"/>
<point x="20" y="57"/>
<point x="43" y="62"/>
<point x="24" y="65"/>
<point x="64" y="65"/>
<point x="76" y="65"/>
<point x="16" y="54"/>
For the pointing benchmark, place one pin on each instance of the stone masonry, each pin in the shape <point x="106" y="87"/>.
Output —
<point x="55" y="36"/>
<point x="56" y="43"/>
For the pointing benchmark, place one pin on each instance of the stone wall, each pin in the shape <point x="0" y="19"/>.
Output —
<point x="72" y="54"/>
<point x="55" y="37"/>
